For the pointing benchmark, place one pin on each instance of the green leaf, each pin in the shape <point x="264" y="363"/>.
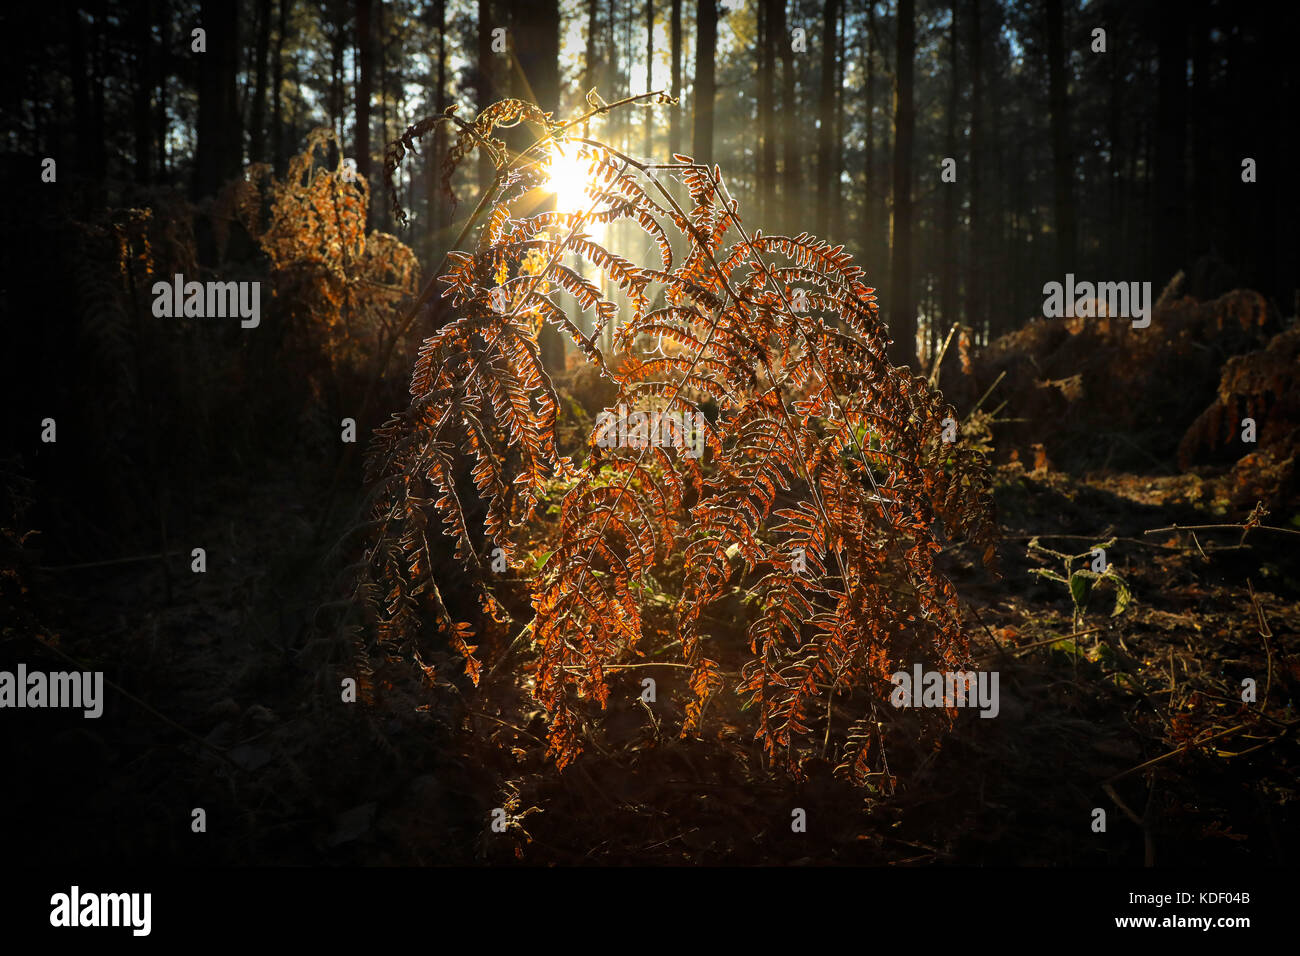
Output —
<point x="1123" y="596"/>
<point x="1080" y="585"/>
<point x="1050" y="575"/>
<point x="1067" y="647"/>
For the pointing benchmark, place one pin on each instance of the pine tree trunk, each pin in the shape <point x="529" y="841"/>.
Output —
<point x="791" y="178"/>
<point x="257" y="117"/>
<point x="535" y="32"/>
<point x="365" y="85"/>
<point x="826" y="119"/>
<point x="1062" y="154"/>
<point x="902" y="311"/>
<point x="705" y="87"/>
<point x="483" y="83"/>
<point x="279" y="155"/>
<point x="951" y="191"/>
<point x="975" y="254"/>
<point x="1171" y="142"/>
<point x="218" y="138"/>
<point x="766" y="116"/>
<point x="649" y="72"/>
<point x="675" y="116"/>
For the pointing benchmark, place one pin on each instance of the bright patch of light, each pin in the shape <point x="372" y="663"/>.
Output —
<point x="569" y="176"/>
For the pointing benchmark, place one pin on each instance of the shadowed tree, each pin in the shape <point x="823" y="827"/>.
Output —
<point x="766" y="62"/>
<point x="826" y="170"/>
<point x="535" y="42"/>
<point x="649" y="70"/>
<point x="791" y="180"/>
<point x="279" y="155"/>
<point x="141" y="28"/>
<point x="217" y="151"/>
<point x="706" y="41"/>
<point x="975" y="254"/>
<point x="1171" y="142"/>
<point x="902" y="311"/>
<point x="675" y="80"/>
<point x="483" y="86"/>
<point x="437" y="210"/>
<point x="365" y="82"/>
<point x="257" y="117"/>
<point x="951" y="191"/>
<point x="1062" y="154"/>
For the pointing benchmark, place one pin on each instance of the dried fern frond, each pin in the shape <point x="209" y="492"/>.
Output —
<point x="822" y="485"/>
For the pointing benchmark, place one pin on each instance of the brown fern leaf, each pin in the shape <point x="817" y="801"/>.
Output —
<point x="819" y="487"/>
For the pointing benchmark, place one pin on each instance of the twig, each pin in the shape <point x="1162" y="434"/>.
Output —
<point x="1110" y="792"/>
<point x="1221" y="527"/>
<point x="1001" y="376"/>
<point x="1265" y="633"/>
<point x="938" y="359"/>
<point x="996" y="643"/>
<point x="518" y="730"/>
<point x="1174" y="753"/>
<point x="1052" y="640"/>
<point x="112" y="561"/>
<point x="1086" y="537"/>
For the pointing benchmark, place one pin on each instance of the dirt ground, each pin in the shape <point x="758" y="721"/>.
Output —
<point x="234" y="708"/>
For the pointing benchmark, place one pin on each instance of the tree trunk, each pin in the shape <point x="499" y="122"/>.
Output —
<point x="948" y="278"/>
<point x="902" y="312"/>
<point x="365" y="83"/>
<point x="975" y="254"/>
<point x="1062" y="154"/>
<point x="161" y="74"/>
<point x="649" y="72"/>
<point x="279" y="156"/>
<point x="766" y="115"/>
<point x="98" y="122"/>
<point x="217" y="149"/>
<point x="381" y="70"/>
<point x="791" y="180"/>
<point x="826" y="118"/>
<point x="1203" y="116"/>
<point x="872" y="230"/>
<point x="257" y="117"/>
<point x="433" y="196"/>
<point x="837" y="224"/>
<point x="1171" y="142"/>
<point x="613" y="79"/>
<point x="705" y="87"/>
<point x="535" y="31"/>
<point x="142" y="28"/>
<point x="675" y="116"/>
<point x="483" y="83"/>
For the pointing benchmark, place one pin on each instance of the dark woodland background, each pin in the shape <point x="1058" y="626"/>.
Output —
<point x="1123" y="165"/>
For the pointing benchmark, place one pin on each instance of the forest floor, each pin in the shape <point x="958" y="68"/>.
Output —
<point x="1139" y="715"/>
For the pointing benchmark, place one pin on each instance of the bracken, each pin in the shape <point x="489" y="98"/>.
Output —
<point x="816" y="448"/>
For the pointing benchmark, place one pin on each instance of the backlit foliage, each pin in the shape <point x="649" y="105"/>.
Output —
<point x="337" y="288"/>
<point x="814" y="444"/>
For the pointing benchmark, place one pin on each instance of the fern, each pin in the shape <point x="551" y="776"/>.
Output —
<point x="823" y="488"/>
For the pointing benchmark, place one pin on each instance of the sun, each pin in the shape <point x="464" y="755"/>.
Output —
<point x="569" y="175"/>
